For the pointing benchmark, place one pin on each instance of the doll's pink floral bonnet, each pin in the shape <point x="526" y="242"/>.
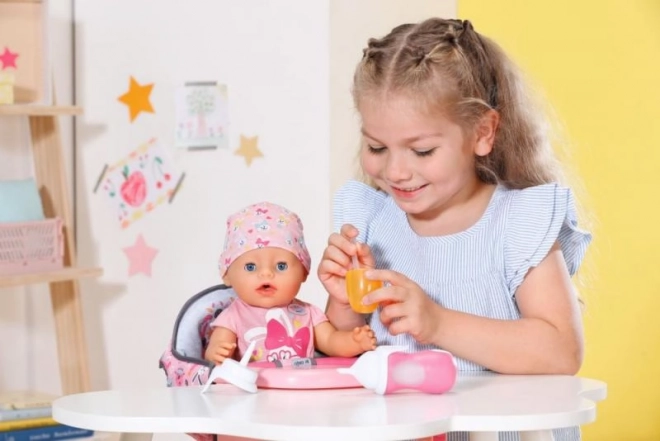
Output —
<point x="263" y="225"/>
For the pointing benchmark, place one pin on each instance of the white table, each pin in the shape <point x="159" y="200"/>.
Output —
<point x="482" y="404"/>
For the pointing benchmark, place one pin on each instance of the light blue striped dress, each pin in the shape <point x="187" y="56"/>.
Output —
<point x="476" y="271"/>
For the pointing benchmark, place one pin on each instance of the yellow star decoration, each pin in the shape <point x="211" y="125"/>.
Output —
<point x="249" y="149"/>
<point x="137" y="98"/>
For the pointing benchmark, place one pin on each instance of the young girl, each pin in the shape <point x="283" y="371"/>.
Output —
<point x="265" y="261"/>
<point x="464" y="217"/>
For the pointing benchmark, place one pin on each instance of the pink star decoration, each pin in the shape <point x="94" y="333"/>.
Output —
<point x="8" y="59"/>
<point x="140" y="256"/>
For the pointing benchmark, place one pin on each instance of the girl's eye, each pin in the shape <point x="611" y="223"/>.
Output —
<point x="250" y="267"/>
<point x="376" y="149"/>
<point x="422" y="153"/>
<point x="282" y="266"/>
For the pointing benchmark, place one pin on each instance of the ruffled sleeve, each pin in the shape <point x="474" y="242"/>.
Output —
<point x="538" y="217"/>
<point x="357" y="204"/>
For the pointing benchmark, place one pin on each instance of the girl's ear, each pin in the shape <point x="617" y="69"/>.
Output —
<point x="225" y="280"/>
<point x="485" y="132"/>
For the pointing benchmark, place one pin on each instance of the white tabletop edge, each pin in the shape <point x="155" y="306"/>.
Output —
<point x="275" y="432"/>
<point x="137" y="411"/>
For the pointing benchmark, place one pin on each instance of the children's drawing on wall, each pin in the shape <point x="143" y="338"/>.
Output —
<point x="202" y="116"/>
<point x="139" y="183"/>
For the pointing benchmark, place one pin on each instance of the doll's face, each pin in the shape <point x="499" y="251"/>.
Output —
<point x="266" y="277"/>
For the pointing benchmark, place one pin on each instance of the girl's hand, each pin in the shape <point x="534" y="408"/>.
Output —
<point x="337" y="260"/>
<point x="405" y="307"/>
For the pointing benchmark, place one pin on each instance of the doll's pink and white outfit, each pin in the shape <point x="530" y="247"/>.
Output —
<point x="284" y="332"/>
<point x="281" y="333"/>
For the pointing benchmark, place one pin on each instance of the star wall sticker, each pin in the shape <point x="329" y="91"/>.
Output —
<point x="8" y="59"/>
<point x="249" y="149"/>
<point x="140" y="257"/>
<point x="137" y="98"/>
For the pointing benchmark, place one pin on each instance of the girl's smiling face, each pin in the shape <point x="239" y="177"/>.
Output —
<point x="425" y="161"/>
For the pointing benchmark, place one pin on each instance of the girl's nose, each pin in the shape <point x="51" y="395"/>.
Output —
<point x="397" y="169"/>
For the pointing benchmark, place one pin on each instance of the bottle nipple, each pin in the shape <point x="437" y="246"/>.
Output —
<point x="365" y="370"/>
<point x="388" y="369"/>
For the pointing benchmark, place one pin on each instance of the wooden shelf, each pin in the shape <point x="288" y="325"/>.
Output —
<point x="50" y="276"/>
<point x="20" y="1"/>
<point x="38" y="110"/>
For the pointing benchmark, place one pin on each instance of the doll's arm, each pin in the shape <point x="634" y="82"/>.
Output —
<point x="222" y="345"/>
<point x="334" y="343"/>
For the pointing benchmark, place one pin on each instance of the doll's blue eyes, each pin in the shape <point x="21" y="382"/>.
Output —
<point x="251" y="267"/>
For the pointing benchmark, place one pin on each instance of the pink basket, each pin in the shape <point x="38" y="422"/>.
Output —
<point x="27" y="247"/>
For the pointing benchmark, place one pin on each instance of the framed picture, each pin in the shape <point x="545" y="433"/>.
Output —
<point x="24" y="49"/>
<point x="202" y="115"/>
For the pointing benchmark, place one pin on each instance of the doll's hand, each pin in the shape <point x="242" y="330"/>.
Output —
<point x="336" y="262"/>
<point x="219" y="351"/>
<point x="364" y="336"/>
<point x="405" y="307"/>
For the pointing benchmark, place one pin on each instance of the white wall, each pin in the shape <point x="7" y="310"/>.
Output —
<point x="273" y="58"/>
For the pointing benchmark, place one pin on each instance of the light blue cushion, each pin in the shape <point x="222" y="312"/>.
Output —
<point x="20" y="201"/>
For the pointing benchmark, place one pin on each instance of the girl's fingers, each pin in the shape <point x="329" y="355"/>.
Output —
<point x="364" y="255"/>
<point x="342" y="244"/>
<point x="391" y="312"/>
<point x="393" y="277"/>
<point x="348" y="231"/>
<point x="345" y="242"/>
<point x="336" y="255"/>
<point x="400" y="326"/>
<point x="387" y="294"/>
<point x="330" y="267"/>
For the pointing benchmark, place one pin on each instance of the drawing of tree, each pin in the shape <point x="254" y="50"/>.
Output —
<point x="201" y="102"/>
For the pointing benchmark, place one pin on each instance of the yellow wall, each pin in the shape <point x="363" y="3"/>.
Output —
<point x="599" y="64"/>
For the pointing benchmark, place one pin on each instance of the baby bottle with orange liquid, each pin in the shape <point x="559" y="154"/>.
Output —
<point x="358" y="286"/>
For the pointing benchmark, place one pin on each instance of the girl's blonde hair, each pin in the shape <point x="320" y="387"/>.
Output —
<point x="446" y="66"/>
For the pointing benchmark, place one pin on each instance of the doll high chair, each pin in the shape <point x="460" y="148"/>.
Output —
<point x="183" y="360"/>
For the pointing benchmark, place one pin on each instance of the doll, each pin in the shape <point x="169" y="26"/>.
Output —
<point x="265" y="261"/>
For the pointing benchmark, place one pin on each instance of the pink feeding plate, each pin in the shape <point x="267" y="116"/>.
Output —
<point x="322" y="375"/>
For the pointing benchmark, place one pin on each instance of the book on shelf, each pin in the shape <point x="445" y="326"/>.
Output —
<point x="26" y="424"/>
<point x="25" y="414"/>
<point x="47" y="433"/>
<point x="25" y="399"/>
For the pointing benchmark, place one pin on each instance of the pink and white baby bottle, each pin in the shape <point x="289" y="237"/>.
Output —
<point x="389" y="369"/>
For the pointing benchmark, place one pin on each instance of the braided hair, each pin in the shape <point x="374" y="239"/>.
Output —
<point x="445" y="66"/>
